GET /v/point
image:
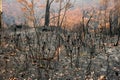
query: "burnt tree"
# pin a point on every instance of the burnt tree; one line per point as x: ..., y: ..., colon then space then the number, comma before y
x: 47, y: 12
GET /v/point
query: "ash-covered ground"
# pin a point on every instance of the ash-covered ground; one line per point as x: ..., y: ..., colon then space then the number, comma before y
x: 57, y: 54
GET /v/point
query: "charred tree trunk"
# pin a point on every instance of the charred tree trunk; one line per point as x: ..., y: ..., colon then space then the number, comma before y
x: 47, y: 14
x: 0, y: 25
x: 118, y: 37
x: 110, y: 30
x: 110, y: 21
x: 0, y: 19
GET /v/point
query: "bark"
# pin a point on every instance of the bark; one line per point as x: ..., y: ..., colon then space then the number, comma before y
x: 47, y: 14
x: 0, y: 19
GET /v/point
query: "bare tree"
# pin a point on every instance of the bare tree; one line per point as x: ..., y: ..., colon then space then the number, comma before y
x: 47, y: 12
x: 63, y: 6
x: 117, y: 12
x: 0, y: 19
x: 0, y: 25
x: 67, y: 6
x: 28, y: 8
x: 60, y: 4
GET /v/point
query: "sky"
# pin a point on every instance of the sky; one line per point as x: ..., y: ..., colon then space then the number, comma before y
x: 10, y: 5
x: 12, y: 8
